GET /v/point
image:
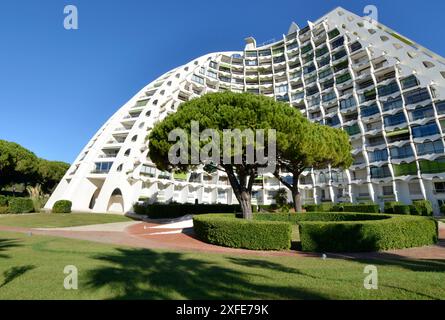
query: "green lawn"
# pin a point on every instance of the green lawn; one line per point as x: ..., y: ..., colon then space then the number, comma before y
x: 52, y: 220
x: 31, y: 267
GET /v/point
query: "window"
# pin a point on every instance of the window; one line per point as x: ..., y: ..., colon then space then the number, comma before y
x: 430, y: 147
x: 414, y: 188
x: 395, y: 119
x: 347, y: 103
x: 402, y: 152
x: 388, y: 190
x: 391, y: 104
x: 212, y: 74
x: 439, y: 187
x: 425, y: 130
x: 352, y: 130
x: 356, y: 46
x: 380, y: 172
x: 134, y: 138
x: 148, y: 171
x: 389, y: 89
x: 309, y: 69
x: 378, y: 155
x: 251, y: 62
x: 410, y: 82
x: 369, y: 110
x: 337, y: 43
x: 325, y: 61
x: 343, y: 78
x: 119, y: 169
x: 440, y: 107
x: 329, y: 96
x: 333, y: 121
x: 102, y: 167
x: 325, y: 73
x: 416, y: 96
x: 281, y: 89
x: 127, y: 153
x: 198, y: 79
x: 421, y: 113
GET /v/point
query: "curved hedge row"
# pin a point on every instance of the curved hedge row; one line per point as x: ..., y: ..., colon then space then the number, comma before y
x: 228, y: 231
x: 319, y: 232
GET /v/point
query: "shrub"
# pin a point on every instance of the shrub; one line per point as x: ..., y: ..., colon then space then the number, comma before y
x: 442, y: 209
x: 424, y: 207
x: 414, y: 211
x: 402, y: 209
x: 393, y: 232
x: 322, y: 207
x: 20, y: 205
x: 389, y: 206
x: 228, y: 231
x: 3, y: 201
x: 361, y: 208
x: 3, y: 210
x: 62, y: 206
x: 281, y: 198
x: 174, y: 210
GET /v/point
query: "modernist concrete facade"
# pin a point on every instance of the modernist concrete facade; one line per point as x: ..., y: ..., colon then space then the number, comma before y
x: 386, y: 91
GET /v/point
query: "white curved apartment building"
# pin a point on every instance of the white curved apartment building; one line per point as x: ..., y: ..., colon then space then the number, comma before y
x: 386, y: 91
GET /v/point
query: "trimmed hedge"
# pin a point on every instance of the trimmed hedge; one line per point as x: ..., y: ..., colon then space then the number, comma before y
x: 319, y: 231
x: 424, y: 207
x: 389, y: 206
x: 343, y: 207
x: 402, y: 209
x: 62, y: 206
x: 228, y: 231
x: 394, y: 232
x: 174, y: 210
x: 20, y: 205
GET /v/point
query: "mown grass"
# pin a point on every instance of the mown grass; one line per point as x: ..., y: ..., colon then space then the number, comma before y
x: 58, y: 220
x: 31, y: 267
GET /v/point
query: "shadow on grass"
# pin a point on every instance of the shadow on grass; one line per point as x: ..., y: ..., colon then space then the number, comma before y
x: 145, y: 274
x: 6, y: 244
x: 13, y: 273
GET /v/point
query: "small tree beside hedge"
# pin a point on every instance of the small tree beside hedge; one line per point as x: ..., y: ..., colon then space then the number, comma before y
x: 62, y: 206
x: 20, y: 205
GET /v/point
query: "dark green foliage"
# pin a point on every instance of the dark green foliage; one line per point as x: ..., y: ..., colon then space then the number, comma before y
x: 343, y: 207
x: 174, y: 210
x: 281, y: 198
x: 389, y: 206
x: 414, y: 210
x: 62, y: 206
x: 3, y: 201
x: 396, y: 232
x: 21, y: 166
x: 226, y: 230
x: 442, y: 209
x: 322, y: 207
x: 20, y: 205
x: 365, y: 208
x: 424, y: 207
x: 333, y: 232
x: 264, y: 208
x: 402, y: 209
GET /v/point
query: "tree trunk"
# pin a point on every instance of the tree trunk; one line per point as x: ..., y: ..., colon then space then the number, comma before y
x: 296, y: 198
x: 246, y: 205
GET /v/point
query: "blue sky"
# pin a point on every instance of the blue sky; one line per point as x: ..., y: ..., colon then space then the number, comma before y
x: 57, y: 87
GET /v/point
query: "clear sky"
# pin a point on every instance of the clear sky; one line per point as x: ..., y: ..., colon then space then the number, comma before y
x: 57, y: 87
